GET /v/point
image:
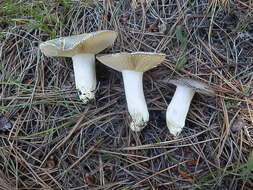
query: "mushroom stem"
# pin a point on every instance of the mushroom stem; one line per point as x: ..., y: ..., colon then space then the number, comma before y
x: 136, y: 103
x: 85, y: 75
x: 178, y: 109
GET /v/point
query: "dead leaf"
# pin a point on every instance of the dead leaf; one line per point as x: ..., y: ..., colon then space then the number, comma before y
x: 185, y: 175
x: 144, y: 182
x: 89, y: 179
x: 108, y: 168
x: 237, y: 125
x: 51, y: 162
x: 191, y: 163
x: 153, y: 27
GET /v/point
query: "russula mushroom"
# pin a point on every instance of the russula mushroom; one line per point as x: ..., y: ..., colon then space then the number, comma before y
x: 82, y: 49
x: 132, y: 66
x: 181, y: 100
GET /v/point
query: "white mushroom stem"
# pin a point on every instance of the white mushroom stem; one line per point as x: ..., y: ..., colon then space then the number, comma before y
x: 178, y: 109
x: 85, y: 75
x: 136, y: 103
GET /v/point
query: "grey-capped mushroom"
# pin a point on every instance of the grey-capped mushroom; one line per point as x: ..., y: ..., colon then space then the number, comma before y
x: 82, y: 49
x: 179, y: 106
x: 132, y: 66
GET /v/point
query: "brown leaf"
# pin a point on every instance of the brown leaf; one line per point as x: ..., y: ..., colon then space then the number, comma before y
x: 51, y: 162
x: 108, y: 168
x: 185, y: 175
x: 89, y: 179
x: 153, y: 27
x: 144, y: 182
x: 191, y: 163
x: 169, y: 21
x: 29, y: 81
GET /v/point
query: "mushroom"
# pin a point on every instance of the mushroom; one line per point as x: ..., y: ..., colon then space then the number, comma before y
x: 132, y: 66
x: 181, y: 100
x: 82, y: 49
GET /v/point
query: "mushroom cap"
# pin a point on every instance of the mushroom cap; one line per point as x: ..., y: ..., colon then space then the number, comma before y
x: 137, y: 61
x: 194, y: 84
x: 88, y: 43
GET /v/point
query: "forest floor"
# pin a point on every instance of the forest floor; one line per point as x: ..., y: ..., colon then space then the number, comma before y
x: 50, y: 140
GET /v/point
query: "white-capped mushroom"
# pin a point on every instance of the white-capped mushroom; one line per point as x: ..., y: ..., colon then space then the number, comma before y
x: 82, y: 49
x: 181, y: 100
x: 132, y: 66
